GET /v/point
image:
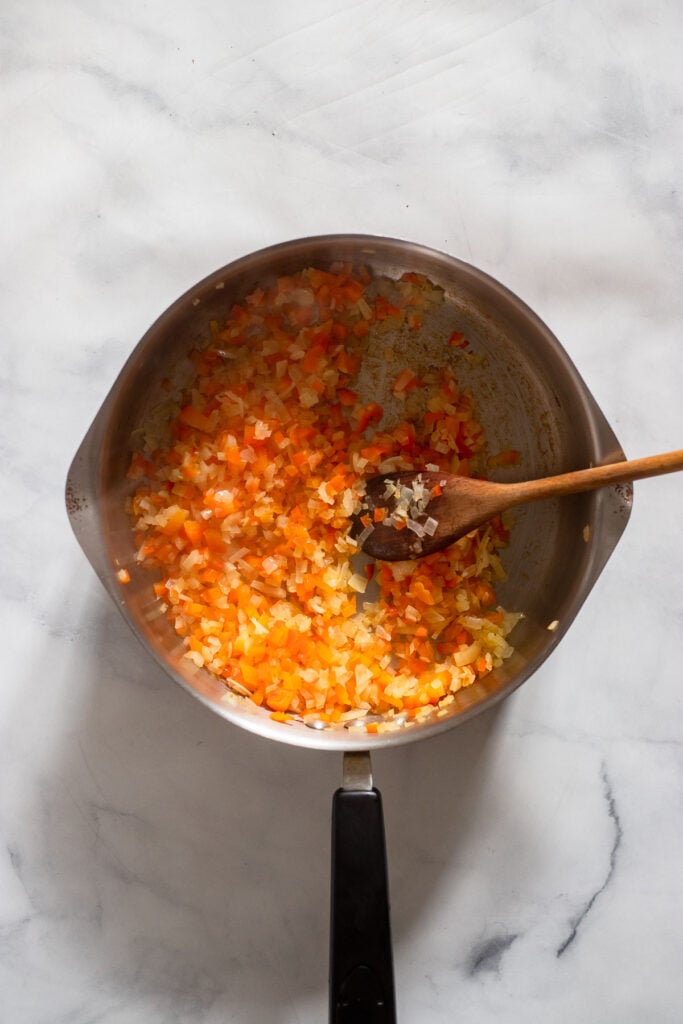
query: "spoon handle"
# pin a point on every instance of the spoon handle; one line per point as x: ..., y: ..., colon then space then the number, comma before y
x: 598, y: 476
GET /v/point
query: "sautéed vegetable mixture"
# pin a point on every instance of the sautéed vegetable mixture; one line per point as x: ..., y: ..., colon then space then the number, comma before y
x: 243, y: 511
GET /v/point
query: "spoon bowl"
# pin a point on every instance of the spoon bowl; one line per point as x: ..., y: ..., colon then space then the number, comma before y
x: 415, y: 513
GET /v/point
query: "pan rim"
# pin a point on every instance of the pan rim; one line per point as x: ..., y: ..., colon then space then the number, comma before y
x: 82, y: 494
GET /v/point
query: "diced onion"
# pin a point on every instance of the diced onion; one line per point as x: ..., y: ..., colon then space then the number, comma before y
x: 358, y: 583
x: 364, y: 534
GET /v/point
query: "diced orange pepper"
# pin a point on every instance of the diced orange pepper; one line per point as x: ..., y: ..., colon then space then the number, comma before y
x: 214, y: 540
x: 346, y: 396
x: 348, y: 362
x: 371, y: 413
x: 340, y: 331
x: 314, y: 359
x: 193, y: 531
x: 174, y: 521
x: 510, y: 457
x: 193, y: 417
x: 497, y: 618
x: 233, y: 458
x: 485, y: 594
x: 384, y: 309
x: 405, y: 381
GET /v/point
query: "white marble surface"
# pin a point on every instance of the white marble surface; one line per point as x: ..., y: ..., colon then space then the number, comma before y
x: 158, y: 865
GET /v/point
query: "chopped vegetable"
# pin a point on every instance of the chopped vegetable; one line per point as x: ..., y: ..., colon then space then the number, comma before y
x: 244, y: 511
x: 509, y: 457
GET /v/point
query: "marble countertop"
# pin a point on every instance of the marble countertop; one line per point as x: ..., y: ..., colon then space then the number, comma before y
x: 158, y: 865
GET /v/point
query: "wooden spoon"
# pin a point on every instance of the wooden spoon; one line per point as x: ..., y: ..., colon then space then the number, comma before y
x: 452, y: 506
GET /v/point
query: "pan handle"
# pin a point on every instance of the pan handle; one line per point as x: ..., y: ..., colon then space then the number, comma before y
x: 361, y: 963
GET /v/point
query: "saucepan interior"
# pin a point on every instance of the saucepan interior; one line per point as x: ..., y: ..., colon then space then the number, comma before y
x: 529, y: 397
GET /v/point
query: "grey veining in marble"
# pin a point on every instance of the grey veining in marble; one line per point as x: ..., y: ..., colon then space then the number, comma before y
x: 157, y: 865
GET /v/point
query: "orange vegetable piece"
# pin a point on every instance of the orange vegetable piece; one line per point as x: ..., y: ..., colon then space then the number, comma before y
x: 193, y: 417
x: 371, y: 413
x: 346, y: 396
x: 174, y: 521
x: 405, y: 381
x: 193, y: 531
x: 348, y: 362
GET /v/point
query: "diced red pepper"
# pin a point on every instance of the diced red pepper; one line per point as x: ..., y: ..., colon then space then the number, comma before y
x: 346, y: 396
x: 371, y: 413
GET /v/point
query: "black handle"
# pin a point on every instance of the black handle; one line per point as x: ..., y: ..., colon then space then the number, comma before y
x: 361, y: 964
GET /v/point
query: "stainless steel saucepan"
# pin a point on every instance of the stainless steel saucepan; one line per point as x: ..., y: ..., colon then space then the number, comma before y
x: 529, y: 396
